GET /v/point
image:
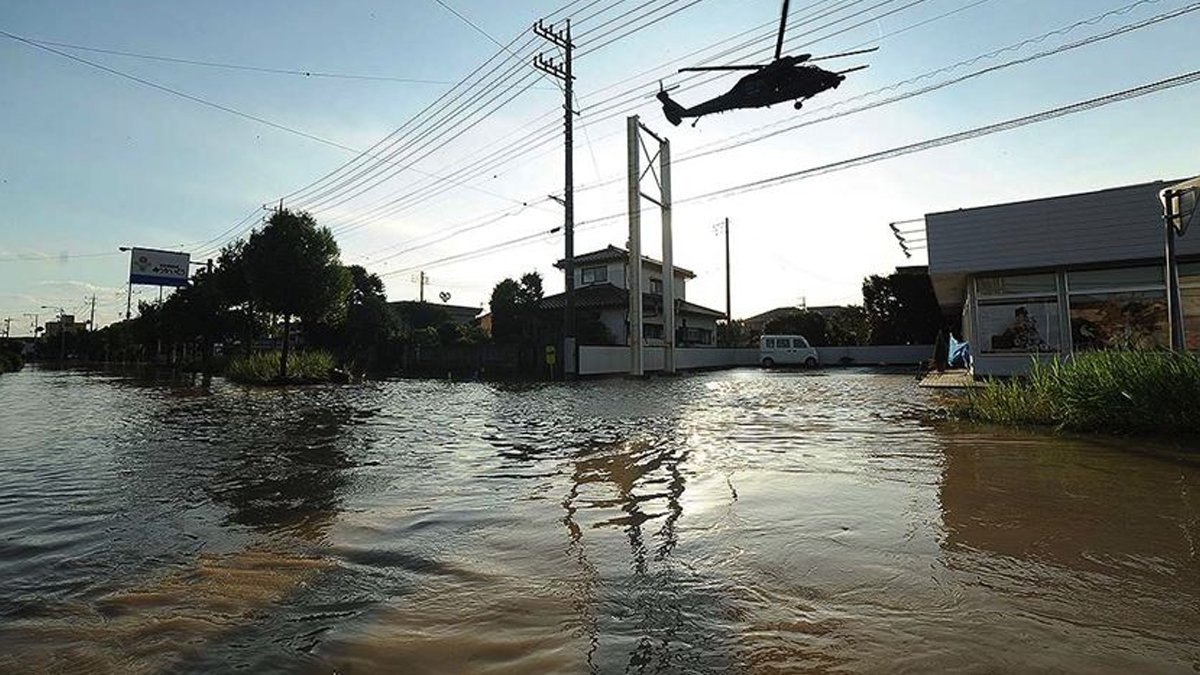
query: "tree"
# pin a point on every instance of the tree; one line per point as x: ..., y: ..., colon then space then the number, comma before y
x: 848, y: 327
x: 514, y: 307
x: 292, y: 269
x: 901, y: 309
x: 809, y: 324
x: 369, y: 321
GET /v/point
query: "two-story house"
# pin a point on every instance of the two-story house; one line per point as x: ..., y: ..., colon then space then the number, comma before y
x: 602, y: 280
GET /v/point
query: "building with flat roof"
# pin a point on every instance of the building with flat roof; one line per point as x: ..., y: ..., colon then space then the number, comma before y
x: 1044, y: 278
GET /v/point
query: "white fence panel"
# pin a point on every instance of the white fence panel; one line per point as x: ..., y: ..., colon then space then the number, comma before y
x: 594, y: 360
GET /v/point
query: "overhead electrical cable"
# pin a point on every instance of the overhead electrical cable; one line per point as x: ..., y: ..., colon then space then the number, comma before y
x: 549, y: 134
x: 774, y: 181
x: 301, y: 72
x: 1124, y: 95
x: 1122, y: 30
x: 432, y: 106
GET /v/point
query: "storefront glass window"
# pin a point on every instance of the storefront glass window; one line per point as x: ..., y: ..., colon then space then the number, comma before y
x: 1189, y: 292
x: 1130, y: 278
x: 1019, y: 326
x: 1024, y: 284
x: 1118, y: 309
x: 1018, y: 313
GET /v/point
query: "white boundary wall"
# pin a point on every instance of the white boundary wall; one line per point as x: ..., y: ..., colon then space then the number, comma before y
x: 595, y: 360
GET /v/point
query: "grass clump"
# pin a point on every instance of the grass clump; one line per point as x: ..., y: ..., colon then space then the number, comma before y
x: 10, y: 361
x: 1122, y: 392
x: 263, y: 368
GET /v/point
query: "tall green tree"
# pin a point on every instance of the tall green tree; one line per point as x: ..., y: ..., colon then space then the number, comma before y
x: 809, y: 324
x: 848, y: 327
x: 514, y: 306
x: 901, y: 309
x: 369, y: 322
x: 292, y: 268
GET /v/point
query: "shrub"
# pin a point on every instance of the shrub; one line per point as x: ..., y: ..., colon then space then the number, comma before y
x: 10, y: 361
x: 263, y: 368
x: 1111, y: 391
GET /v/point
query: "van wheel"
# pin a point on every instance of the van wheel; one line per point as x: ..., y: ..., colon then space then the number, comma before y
x: 810, y: 362
x: 768, y: 362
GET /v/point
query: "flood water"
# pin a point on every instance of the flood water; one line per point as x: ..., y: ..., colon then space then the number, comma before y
x: 729, y: 522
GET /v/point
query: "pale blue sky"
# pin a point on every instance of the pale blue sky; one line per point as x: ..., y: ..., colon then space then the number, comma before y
x: 92, y: 161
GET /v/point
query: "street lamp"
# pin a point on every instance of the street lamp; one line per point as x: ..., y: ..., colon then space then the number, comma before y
x: 62, y: 333
x: 1179, y: 211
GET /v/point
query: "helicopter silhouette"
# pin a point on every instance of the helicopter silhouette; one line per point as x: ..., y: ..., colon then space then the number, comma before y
x: 786, y: 78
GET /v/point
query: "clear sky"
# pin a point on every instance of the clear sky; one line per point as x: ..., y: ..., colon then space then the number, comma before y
x: 92, y: 161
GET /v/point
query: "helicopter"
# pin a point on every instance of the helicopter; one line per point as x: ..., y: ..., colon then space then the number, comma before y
x: 786, y: 78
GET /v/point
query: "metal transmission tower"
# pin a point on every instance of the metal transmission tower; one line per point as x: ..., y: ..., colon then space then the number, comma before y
x: 562, y: 71
x: 662, y: 176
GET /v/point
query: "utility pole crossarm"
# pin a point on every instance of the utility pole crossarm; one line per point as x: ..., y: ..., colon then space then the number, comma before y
x: 562, y: 71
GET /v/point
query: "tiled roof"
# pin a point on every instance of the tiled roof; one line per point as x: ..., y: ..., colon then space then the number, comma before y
x: 608, y: 295
x: 612, y: 253
x: 595, y: 295
x: 686, y: 307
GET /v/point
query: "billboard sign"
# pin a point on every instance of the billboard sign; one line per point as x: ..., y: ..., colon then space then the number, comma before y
x: 158, y: 268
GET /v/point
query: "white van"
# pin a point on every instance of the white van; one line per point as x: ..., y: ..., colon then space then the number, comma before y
x: 786, y: 350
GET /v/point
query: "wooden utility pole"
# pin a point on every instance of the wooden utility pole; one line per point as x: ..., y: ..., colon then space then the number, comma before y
x: 422, y: 278
x: 562, y: 39
x: 728, y: 275
x: 92, y: 317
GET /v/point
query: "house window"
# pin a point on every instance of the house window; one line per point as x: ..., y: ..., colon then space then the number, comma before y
x: 1018, y: 313
x: 652, y: 331
x: 656, y: 286
x: 1118, y: 308
x: 594, y: 275
x: 695, y: 336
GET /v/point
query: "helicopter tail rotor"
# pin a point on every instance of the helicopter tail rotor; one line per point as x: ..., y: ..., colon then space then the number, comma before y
x: 672, y: 110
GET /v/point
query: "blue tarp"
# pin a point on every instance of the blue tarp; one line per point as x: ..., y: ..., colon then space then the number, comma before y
x: 960, y: 354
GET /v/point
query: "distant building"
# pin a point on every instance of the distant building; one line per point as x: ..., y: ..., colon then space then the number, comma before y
x: 758, y: 322
x: 415, y: 312
x: 68, y: 323
x: 1048, y: 277
x: 602, y: 295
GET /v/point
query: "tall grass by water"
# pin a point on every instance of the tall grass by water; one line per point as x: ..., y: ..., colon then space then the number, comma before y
x: 1122, y: 392
x: 263, y: 368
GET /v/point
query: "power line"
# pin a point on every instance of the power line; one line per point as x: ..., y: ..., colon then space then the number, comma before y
x: 773, y: 181
x: 1136, y: 92
x: 546, y: 136
x: 59, y: 257
x: 237, y: 66
x: 1121, y: 30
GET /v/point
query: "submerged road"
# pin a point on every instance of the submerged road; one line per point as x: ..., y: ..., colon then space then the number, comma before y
x: 729, y: 522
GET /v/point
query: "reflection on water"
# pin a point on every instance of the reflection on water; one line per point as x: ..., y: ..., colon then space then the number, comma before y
x: 743, y: 521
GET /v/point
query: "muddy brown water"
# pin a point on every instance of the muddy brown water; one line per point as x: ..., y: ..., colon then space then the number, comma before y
x: 729, y: 522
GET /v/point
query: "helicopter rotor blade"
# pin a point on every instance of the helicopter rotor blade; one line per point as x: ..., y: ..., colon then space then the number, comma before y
x: 852, y: 70
x: 782, y: 28
x: 840, y: 55
x: 706, y: 68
